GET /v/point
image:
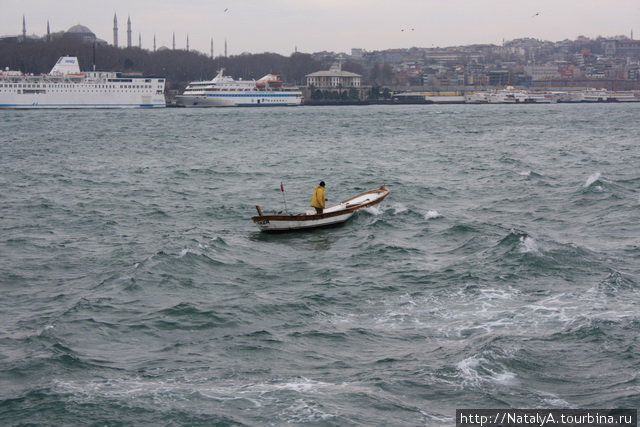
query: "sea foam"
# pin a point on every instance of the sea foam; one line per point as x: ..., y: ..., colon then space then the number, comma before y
x: 475, y: 371
x: 431, y: 214
x: 373, y: 210
x: 528, y: 245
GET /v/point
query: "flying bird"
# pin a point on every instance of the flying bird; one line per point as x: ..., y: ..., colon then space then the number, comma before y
x: 536, y: 14
x: 226, y: 9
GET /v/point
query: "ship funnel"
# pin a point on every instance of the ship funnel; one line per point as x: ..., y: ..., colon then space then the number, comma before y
x: 66, y: 65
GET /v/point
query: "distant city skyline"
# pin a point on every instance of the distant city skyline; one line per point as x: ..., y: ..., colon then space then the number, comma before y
x: 282, y: 26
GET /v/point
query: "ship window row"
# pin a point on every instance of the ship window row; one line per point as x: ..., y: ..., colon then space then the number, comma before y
x: 74, y: 90
x: 266, y: 96
x: 214, y: 89
x: 55, y: 86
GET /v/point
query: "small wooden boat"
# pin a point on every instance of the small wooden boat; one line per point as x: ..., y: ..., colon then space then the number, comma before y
x: 331, y: 215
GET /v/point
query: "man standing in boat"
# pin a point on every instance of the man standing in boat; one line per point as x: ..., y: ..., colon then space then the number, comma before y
x: 318, y: 199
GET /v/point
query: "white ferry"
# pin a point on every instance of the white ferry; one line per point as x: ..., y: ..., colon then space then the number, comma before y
x: 595, y: 95
x: 508, y: 95
x: 444, y: 97
x: 600, y: 95
x: 67, y: 87
x: 477, y: 98
x: 623, y: 96
x: 541, y: 97
x: 224, y: 91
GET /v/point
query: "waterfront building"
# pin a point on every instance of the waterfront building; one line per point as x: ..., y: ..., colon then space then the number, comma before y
x: 335, y: 84
x: 334, y: 78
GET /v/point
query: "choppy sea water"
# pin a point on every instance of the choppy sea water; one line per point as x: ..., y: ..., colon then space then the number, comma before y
x: 502, y: 271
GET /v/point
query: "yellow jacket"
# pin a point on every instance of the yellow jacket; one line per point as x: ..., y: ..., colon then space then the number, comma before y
x: 317, y: 201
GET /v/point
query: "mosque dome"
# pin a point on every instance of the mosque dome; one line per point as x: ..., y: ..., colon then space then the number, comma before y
x: 80, y: 29
x: 81, y: 32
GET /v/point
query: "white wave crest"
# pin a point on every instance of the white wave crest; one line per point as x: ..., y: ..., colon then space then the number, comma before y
x: 373, y: 210
x: 524, y: 173
x: 399, y: 208
x: 551, y: 399
x: 431, y: 214
x: 528, y: 245
x: 468, y: 367
x: 593, y: 178
x: 300, y: 385
x: 475, y: 372
x: 189, y: 251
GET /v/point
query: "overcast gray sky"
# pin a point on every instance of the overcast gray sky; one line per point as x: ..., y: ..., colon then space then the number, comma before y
x: 335, y: 25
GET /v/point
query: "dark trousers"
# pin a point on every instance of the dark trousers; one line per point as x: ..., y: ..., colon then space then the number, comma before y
x: 319, y: 211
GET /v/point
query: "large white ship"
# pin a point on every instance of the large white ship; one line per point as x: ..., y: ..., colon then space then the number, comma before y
x: 68, y: 87
x: 224, y: 91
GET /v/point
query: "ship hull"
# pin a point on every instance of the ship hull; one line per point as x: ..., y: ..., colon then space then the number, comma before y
x: 250, y: 99
x: 89, y: 100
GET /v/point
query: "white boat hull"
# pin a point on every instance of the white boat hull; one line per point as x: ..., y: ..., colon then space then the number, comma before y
x: 623, y: 97
x: 477, y: 98
x: 247, y: 99
x: 445, y: 99
x: 293, y: 225
x: 81, y: 100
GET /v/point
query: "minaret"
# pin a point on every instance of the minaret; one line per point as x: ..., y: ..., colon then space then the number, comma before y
x: 115, y: 30
x: 48, y: 32
x: 211, y: 47
x: 154, y: 42
x: 24, y: 29
x: 140, y: 40
x: 225, y: 48
x: 129, y: 32
x: 187, y: 42
x: 174, y: 41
